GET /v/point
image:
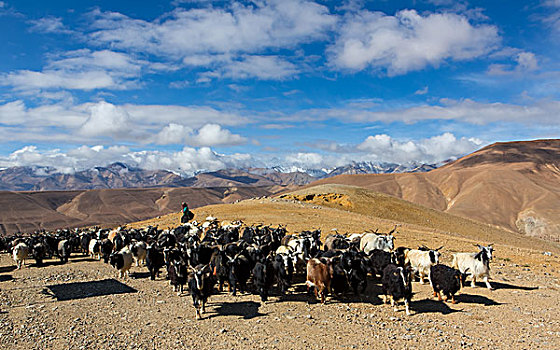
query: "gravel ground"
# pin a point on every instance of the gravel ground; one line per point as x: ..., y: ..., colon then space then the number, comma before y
x: 83, y: 305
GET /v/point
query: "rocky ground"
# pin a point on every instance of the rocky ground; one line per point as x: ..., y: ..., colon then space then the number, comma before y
x: 83, y: 305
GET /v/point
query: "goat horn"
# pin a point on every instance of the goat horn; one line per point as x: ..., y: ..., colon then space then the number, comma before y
x: 439, y: 248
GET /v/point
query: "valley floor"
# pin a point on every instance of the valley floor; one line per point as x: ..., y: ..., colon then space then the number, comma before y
x: 82, y: 305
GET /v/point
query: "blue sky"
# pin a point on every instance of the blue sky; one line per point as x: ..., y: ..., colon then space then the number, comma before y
x: 191, y: 85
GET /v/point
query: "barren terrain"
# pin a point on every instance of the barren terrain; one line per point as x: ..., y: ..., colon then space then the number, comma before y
x: 513, y: 185
x: 30, y: 211
x: 83, y: 305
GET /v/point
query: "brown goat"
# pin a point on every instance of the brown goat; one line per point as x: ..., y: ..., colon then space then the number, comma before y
x: 319, y: 275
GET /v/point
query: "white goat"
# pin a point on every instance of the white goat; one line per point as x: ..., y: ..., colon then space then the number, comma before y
x: 371, y: 241
x: 420, y: 261
x: 475, y: 264
x: 95, y: 248
x: 20, y: 253
x: 139, y: 250
x: 122, y: 261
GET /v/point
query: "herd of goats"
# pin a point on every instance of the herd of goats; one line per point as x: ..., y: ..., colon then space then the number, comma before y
x: 211, y: 253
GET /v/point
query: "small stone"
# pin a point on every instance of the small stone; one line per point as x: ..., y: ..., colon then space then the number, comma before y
x: 223, y: 330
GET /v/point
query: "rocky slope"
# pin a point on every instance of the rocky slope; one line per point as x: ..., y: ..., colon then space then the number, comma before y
x: 29, y: 211
x: 513, y: 185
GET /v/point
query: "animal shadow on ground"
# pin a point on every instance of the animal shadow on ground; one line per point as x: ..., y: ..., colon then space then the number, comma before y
x: 475, y: 299
x: 502, y: 285
x: 54, y: 261
x: 47, y: 263
x: 245, y: 309
x: 136, y: 275
x: 431, y: 306
x: 82, y: 258
x: 7, y: 268
x: 81, y: 290
x: 4, y: 278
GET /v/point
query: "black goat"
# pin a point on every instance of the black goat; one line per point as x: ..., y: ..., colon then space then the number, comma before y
x: 201, y: 285
x: 154, y: 260
x: 446, y: 280
x: 396, y: 284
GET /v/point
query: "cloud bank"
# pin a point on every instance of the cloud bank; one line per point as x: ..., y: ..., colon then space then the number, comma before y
x: 189, y: 160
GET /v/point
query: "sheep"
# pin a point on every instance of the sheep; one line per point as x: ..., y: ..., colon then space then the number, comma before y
x: 475, y: 264
x: 20, y: 253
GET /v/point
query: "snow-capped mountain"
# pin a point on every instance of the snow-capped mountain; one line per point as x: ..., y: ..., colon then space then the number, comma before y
x: 120, y: 175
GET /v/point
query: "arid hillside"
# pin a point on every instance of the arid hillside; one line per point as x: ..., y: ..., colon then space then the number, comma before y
x: 29, y: 211
x: 515, y: 186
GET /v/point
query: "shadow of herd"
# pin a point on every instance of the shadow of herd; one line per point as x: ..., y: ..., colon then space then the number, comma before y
x: 262, y: 259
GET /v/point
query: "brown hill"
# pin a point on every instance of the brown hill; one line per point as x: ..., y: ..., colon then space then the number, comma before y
x: 355, y: 209
x: 29, y: 211
x: 515, y: 186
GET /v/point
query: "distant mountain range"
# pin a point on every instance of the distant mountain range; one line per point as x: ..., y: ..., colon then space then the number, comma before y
x: 120, y: 175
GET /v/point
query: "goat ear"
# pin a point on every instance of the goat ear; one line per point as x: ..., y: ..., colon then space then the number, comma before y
x: 438, y: 248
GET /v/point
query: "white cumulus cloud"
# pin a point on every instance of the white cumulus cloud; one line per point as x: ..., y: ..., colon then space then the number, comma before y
x: 260, y: 67
x: 79, y: 70
x: 207, y: 135
x: 102, y: 120
x: 382, y: 147
x: 106, y: 119
x: 227, y: 39
x: 215, y: 135
x: 408, y: 41
x: 235, y: 28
